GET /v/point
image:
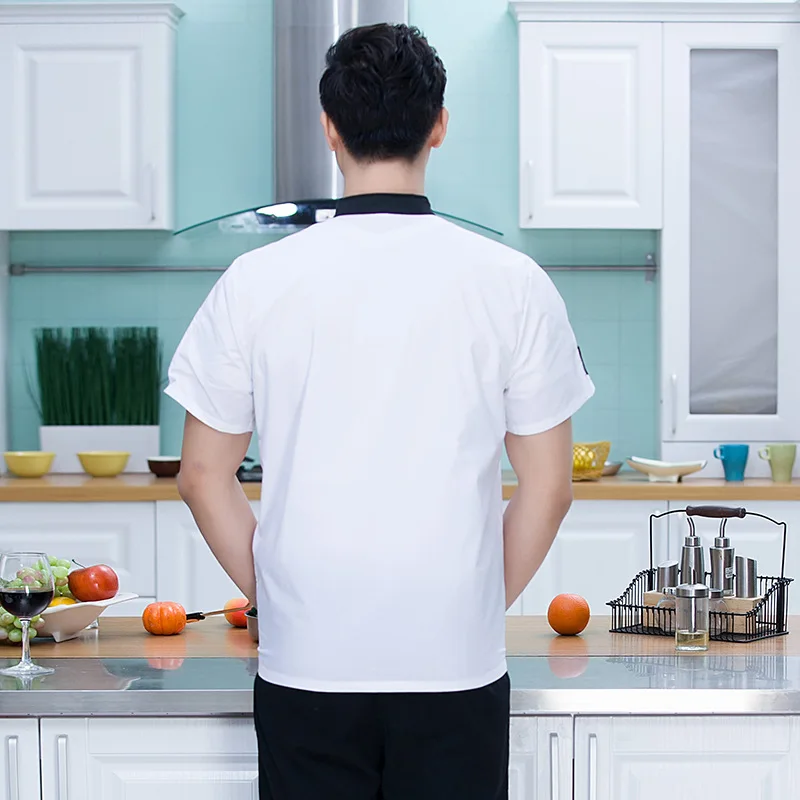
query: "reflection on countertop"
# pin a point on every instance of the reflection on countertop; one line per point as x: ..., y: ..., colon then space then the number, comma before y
x: 685, y: 684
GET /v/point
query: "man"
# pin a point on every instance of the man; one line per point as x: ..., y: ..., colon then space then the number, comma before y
x: 382, y: 357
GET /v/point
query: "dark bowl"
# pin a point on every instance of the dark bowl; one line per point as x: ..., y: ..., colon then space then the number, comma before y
x: 164, y: 466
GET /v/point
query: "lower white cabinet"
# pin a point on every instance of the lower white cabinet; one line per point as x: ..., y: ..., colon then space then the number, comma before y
x: 122, y: 535
x: 601, y: 546
x: 19, y: 759
x: 188, y: 573
x: 691, y: 758
x: 148, y: 759
x: 540, y: 762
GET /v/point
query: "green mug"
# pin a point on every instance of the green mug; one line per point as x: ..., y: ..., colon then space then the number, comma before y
x: 781, y: 460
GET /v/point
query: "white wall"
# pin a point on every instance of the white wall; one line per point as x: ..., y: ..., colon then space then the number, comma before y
x: 4, y: 334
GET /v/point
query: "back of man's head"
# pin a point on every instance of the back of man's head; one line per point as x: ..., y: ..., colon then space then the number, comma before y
x: 383, y: 90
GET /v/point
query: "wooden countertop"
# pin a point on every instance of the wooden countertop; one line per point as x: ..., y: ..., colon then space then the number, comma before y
x: 147, y: 488
x: 124, y: 637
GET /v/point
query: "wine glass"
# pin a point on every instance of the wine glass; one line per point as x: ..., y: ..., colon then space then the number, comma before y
x: 26, y: 589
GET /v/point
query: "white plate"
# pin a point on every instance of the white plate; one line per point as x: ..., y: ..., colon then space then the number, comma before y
x: 66, y: 622
x: 665, y: 471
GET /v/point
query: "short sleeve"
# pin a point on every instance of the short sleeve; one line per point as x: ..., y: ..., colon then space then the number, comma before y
x: 210, y: 374
x: 548, y: 382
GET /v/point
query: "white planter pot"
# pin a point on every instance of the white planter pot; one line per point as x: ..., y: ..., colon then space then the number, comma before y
x: 141, y: 441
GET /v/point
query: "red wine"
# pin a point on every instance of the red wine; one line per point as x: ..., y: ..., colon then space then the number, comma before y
x: 22, y: 603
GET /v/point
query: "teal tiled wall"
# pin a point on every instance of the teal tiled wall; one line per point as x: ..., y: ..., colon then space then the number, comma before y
x: 224, y: 164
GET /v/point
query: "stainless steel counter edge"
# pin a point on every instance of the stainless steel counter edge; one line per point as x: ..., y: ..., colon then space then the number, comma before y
x: 524, y: 702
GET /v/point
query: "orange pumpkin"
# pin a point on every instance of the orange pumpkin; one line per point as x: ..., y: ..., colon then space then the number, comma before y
x: 164, y: 619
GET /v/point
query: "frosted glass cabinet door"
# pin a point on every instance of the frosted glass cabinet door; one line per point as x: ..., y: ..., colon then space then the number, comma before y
x: 730, y: 245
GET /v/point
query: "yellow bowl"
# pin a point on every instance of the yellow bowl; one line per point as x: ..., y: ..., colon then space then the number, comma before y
x: 30, y: 464
x: 103, y: 463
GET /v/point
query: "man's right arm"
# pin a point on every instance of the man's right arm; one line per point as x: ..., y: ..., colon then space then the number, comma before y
x: 543, y: 465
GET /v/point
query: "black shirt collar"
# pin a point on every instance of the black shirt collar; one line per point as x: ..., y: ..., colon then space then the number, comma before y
x: 383, y: 204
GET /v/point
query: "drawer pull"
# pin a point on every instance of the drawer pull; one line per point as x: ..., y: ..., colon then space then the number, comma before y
x: 12, y: 760
x: 61, y: 766
x: 554, y: 789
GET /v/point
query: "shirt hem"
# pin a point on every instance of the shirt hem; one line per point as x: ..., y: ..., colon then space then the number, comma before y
x: 551, y: 422
x: 383, y: 687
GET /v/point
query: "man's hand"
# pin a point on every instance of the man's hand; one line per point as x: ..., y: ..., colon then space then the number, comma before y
x: 543, y: 464
x: 208, y: 484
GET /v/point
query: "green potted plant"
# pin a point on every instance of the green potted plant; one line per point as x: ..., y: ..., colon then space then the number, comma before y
x: 99, y: 389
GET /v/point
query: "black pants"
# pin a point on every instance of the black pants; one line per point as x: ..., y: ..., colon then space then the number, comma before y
x: 326, y: 746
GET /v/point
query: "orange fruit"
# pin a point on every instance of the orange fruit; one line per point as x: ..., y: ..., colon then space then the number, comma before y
x: 62, y: 601
x: 568, y: 614
x: 237, y: 619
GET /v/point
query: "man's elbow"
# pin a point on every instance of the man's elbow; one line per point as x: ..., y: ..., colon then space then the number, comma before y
x: 191, y: 483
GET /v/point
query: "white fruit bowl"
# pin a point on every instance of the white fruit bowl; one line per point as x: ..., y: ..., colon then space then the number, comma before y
x: 665, y: 471
x: 66, y: 622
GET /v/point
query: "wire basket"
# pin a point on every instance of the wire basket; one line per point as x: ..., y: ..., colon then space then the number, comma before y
x: 589, y: 460
x: 769, y: 617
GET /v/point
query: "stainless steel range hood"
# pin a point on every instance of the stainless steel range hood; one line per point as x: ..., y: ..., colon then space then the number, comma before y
x: 307, y: 178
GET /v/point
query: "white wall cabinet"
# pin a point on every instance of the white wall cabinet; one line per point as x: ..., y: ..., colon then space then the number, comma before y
x: 188, y: 573
x: 729, y: 248
x: 540, y: 762
x: 19, y: 759
x: 87, y: 102
x: 693, y: 758
x: 122, y: 535
x: 149, y: 759
x: 601, y: 546
x: 590, y: 125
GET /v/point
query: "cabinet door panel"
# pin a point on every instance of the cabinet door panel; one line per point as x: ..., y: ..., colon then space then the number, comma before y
x: 601, y: 547
x: 540, y: 763
x: 149, y: 759
x: 729, y: 252
x: 19, y: 759
x: 688, y: 757
x: 89, y: 126
x: 590, y: 125
x: 188, y: 573
x: 121, y: 535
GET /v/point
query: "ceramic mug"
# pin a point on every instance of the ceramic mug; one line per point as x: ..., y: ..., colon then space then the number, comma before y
x: 734, y: 460
x: 781, y: 460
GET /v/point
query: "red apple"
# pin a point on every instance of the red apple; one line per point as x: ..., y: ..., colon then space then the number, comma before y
x: 237, y: 618
x: 89, y: 584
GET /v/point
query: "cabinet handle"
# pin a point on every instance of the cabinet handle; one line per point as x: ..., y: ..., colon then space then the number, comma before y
x: 592, y: 766
x: 554, y: 788
x: 151, y: 190
x: 12, y: 759
x: 529, y: 188
x: 673, y: 385
x: 61, y: 766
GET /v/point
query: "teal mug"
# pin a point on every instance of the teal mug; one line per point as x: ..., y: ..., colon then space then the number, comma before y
x: 734, y: 460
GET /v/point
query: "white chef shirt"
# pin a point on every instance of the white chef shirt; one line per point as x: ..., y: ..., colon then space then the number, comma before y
x: 381, y: 356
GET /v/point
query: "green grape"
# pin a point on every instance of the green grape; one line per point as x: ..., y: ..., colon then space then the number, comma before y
x: 61, y: 582
x: 25, y: 572
x: 53, y: 560
x: 63, y: 563
x: 6, y: 619
x: 35, y: 619
x: 32, y: 633
x: 16, y: 584
x: 59, y: 572
x: 17, y: 622
x: 41, y: 623
x: 15, y: 636
x: 3, y: 634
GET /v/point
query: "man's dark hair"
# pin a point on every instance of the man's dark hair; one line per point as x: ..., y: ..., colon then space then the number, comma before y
x: 383, y: 89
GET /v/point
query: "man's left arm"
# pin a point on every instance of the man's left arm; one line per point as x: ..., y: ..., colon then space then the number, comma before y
x: 208, y: 485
